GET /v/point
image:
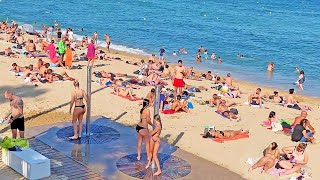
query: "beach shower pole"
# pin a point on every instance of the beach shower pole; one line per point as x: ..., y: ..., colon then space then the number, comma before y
x: 156, y: 111
x: 88, y: 118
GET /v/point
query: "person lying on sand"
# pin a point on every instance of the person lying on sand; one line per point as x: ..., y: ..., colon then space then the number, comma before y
x: 297, y: 159
x: 39, y: 64
x: 8, y: 53
x: 179, y: 105
x: 52, y: 77
x: 201, y: 88
x: 124, y: 91
x: 255, y: 98
x: 105, y: 74
x: 290, y: 102
x: 228, y: 81
x: 15, y: 68
x: 152, y: 80
x: 223, y: 109
x: 190, y: 73
x: 28, y: 71
x: 43, y: 69
x: 271, y: 155
x: 208, y: 76
x: 224, y: 134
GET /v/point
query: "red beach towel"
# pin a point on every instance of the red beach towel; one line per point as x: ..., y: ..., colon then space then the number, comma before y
x: 169, y: 111
x: 240, y: 136
x: 128, y: 97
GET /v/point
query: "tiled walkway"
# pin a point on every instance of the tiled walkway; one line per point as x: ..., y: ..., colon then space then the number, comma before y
x: 62, y: 167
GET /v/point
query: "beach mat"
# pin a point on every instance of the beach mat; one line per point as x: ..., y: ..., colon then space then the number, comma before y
x: 128, y: 97
x: 240, y: 136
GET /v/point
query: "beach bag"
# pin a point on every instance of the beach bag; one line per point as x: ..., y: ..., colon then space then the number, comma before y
x: 276, y: 127
x: 10, y: 142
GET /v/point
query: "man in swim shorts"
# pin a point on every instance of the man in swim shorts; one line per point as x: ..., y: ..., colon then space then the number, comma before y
x: 255, y: 99
x: 15, y: 115
x: 108, y: 42
x: 178, y: 83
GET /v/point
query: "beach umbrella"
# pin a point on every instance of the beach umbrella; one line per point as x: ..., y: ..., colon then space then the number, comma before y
x: 28, y: 28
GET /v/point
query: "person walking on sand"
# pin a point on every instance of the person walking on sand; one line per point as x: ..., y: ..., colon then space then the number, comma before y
x: 178, y: 83
x: 301, y: 80
x: 91, y: 53
x: 15, y: 116
x: 77, y: 97
x: 155, y: 144
x: 108, y: 42
x: 95, y: 38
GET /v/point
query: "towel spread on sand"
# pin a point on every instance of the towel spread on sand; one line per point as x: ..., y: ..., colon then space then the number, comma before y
x: 170, y: 111
x: 240, y: 136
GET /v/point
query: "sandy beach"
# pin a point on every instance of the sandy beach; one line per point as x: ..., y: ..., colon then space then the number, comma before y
x: 49, y: 103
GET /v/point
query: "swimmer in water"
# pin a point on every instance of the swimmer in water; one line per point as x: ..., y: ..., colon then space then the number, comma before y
x: 183, y: 51
x: 174, y: 53
x: 219, y: 60
x: 240, y: 56
x: 270, y: 67
x: 297, y: 69
x: 213, y: 56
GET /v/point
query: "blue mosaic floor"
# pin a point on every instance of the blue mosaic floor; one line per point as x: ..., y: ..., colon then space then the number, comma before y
x: 172, y: 167
x: 99, y: 135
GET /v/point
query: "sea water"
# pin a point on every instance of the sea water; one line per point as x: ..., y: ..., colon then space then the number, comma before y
x: 285, y: 32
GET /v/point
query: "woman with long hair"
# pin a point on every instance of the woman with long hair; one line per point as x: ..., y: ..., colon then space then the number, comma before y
x: 271, y: 156
x: 142, y: 128
x: 77, y: 97
x: 155, y: 143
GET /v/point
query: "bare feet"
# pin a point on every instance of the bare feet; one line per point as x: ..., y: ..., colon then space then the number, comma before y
x: 138, y: 158
x: 147, y: 166
x: 157, y: 173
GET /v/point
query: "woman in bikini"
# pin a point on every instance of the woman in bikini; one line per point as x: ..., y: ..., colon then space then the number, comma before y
x: 297, y: 156
x: 77, y: 96
x: 224, y: 134
x: 155, y: 143
x: 142, y: 129
x: 271, y: 156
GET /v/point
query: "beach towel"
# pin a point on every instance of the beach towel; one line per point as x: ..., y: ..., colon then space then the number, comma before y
x: 221, y: 114
x: 128, y: 97
x: 170, y: 111
x: 240, y: 136
x: 91, y: 51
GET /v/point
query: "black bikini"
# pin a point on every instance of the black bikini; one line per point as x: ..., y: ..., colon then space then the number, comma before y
x: 79, y: 98
x: 138, y: 128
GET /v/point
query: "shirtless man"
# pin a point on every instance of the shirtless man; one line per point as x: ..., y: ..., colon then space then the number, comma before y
x: 270, y: 67
x: 228, y: 81
x: 30, y: 46
x: 108, y: 42
x: 178, y: 83
x: 95, y: 38
x: 303, y: 116
x: 209, y: 76
x: 177, y: 105
x: 39, y: 64
x: 255, y: 99
x: 276, y: 98
x: 15, y: 115
x: 20, y: 41
x: 219, y: 60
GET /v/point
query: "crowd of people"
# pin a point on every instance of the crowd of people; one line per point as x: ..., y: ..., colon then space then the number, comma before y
x: 61, y: 48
